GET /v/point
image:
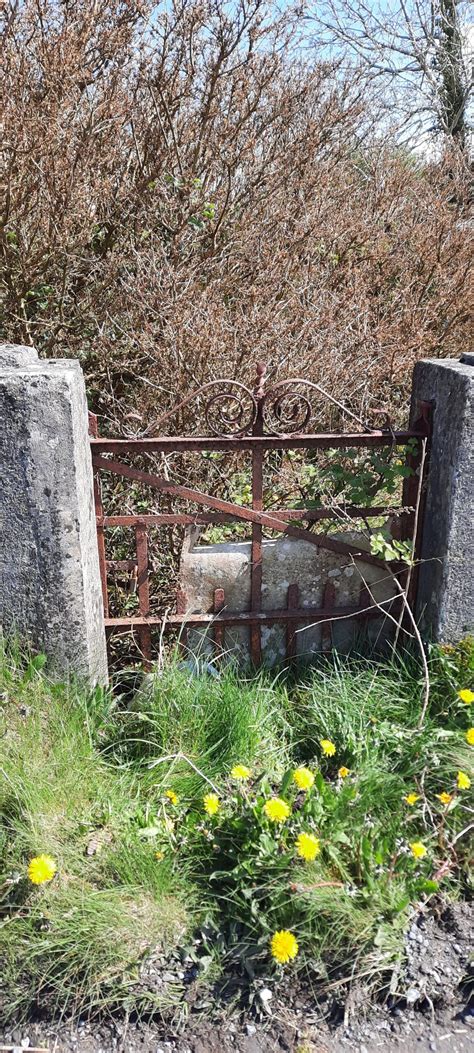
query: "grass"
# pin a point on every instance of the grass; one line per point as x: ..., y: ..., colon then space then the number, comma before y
x: 68, y: 943
x: 85, y: 776
x: 213, y: 720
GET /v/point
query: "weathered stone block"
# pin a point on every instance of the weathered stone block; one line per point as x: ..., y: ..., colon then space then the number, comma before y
x: 446, y: 583
x: 285, y: 561
x: 49, y: 571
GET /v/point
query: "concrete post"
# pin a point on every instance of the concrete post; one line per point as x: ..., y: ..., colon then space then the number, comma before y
x: 50, y: 588
x: 445, y: 603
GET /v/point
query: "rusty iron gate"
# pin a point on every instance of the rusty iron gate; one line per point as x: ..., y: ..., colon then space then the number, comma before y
x: 259, y: 420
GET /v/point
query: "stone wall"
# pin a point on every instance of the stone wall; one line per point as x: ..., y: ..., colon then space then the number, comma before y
x: 49, y: 574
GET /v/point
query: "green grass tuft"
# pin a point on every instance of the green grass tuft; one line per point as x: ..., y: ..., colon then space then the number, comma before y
x: 66, y: 945
x: 213, y: 721
x: 84, y: 779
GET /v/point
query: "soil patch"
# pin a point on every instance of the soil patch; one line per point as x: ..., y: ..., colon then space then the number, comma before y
x: 431, y: 1012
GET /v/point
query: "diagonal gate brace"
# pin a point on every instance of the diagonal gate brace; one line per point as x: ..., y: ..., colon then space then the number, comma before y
x: 250, y: 515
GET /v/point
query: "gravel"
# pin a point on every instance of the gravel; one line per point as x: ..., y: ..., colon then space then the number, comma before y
x: 431, y: 1011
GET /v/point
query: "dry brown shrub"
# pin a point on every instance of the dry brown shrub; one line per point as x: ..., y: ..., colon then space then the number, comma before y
x: 184, y: 195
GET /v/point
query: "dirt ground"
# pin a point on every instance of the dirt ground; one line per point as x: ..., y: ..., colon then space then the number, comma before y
x: 433, y: 1012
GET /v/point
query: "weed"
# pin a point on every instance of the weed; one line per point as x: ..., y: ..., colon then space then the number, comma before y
x: 311, y: 807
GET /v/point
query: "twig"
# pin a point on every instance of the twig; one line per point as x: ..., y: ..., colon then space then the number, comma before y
x: 319, y: 884
x: 461, y: 833
x: 182, y: 756
x: 426, y: 806
x: 346, y: 617
x: 377, y: 603
x: 416, y: 631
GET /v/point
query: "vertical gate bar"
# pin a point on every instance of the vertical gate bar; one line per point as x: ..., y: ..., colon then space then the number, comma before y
x: 99, y: 511
x: 414, y: 494
x: 291, y: 603
x: 329, y: 599
x: 219, y: 603
x: 257, y: 505
x: 144, y: 634
x: 181, y: 609
x: 256, y: 558
x: 99, y: 514
x: 365, y: 601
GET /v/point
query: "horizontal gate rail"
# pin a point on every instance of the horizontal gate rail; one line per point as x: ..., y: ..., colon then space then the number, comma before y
x: 295, y: 614
x: 183, y: 444
x: 221, y: 518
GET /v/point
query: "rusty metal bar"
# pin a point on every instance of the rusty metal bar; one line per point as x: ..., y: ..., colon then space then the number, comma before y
x: 415, y: 489
x: 240, y: 512
x: 219, y: 603
x: 329, y: 596
x: 141, y: 538
x: 293, y: 599
x: 413, y: 461
x: 191, y: 443
x: 121, y: 564
x: 300, y: 614
x: 286, y: 514
x: 257, y: 505
x: 181, y: 605
x: 99, y: 511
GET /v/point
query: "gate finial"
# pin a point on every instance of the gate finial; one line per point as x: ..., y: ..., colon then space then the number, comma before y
x: 259, y: 389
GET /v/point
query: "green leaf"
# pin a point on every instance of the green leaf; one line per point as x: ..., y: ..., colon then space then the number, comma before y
x: 401, y: 904
x: 285, y: 782
x: 34, y: 666
x: 39, y: 661
x: 319, y: 782
x: 426, y: 885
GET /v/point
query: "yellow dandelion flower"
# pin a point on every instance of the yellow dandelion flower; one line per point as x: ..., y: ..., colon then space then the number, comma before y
x: 444, y: 797
x: 172, y: 796
x: 344, y: 772
x: 41, y: 869
x: 412, y: 798
x: 303, y: 778
x: 327, y: 747
x: 463, y: 781
x: 159, y: 856
x: 307, y: 846
x: 284, y: 946
x: 470, y: 736
x: 211, y: 803
x: 466, y: 696
x: 418, y: 850
x: 276, y: 810
x: 239, y: 771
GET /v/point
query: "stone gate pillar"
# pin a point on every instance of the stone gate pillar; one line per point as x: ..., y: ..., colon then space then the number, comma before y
x: 50, y: 591
x: 445, y: 605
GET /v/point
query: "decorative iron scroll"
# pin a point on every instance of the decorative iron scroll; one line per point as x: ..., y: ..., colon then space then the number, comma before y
x: 230, y: 413
x: 285, y: 410
x: 233, y: 410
